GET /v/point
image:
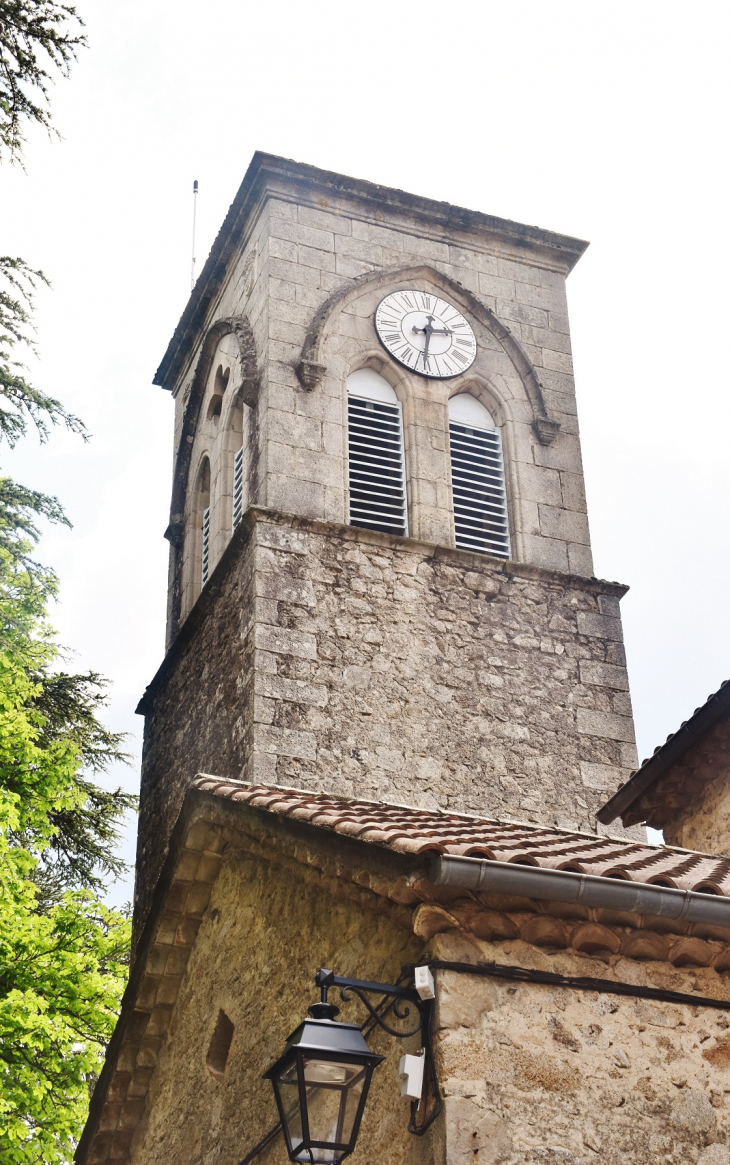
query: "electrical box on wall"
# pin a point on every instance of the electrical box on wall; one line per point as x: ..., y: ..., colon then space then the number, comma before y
x: 423, y: 982
x: 410, y: 1071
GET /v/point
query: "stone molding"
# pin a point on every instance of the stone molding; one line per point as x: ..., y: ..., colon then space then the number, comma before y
x: 240, y: 327
x: 311, y: 368
x: 268, y: 175
x: 354, y: 534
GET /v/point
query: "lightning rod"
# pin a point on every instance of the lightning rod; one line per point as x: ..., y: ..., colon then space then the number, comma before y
x: 195, y: 208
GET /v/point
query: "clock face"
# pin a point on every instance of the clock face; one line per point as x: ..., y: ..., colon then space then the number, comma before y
x: 425, y: 333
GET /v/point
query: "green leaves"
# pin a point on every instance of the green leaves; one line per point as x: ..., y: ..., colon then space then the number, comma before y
x: 18, y: 283
x: 62, y: 953
x: 61, y: 976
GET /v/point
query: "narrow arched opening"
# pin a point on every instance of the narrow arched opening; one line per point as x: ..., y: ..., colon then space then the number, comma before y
x: 202, y: 523
x: 376, y: 458
x: 219, y: 1048
x: 220, y: 384
x: 239, y: 471
x: 477, y: 478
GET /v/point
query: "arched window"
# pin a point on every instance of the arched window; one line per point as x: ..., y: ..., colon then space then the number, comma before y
x: 375, y: 450
x: 202, y: 521
x: 220, y: 384
x: 239, y: 488
x: 477, y: 476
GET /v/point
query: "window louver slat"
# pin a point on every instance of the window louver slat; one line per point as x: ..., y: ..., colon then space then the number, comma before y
x: 480, y: 506
x: 376, y: 464
x: 237, y: 487
x: 206, y: 545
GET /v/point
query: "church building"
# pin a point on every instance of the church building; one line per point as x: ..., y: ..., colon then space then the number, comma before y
x: 391, y: 745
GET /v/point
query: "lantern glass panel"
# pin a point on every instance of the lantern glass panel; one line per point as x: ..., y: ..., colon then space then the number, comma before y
x: 288, y: 1089
x: 334, y: 1090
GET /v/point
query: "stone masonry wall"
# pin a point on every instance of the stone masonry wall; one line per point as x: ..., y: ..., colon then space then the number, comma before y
x: 263, y: 937
x: 690, y: 801
x: 305, y: 242
x: 342, y: 660
x: 537, y: 1075
x: 530, y: 1074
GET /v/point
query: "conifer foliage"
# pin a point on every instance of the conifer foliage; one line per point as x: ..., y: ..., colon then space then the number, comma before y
x: 35, y: 36
x: 63, y: 954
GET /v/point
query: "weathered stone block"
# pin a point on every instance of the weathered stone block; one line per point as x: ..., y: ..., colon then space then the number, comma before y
x: 283, y: 641
x: 564, y: 524
x: 599, y: 626
x: 324, y: 220
x: 285, y: 742
x: 604, y: 724
x: 297, y: 232
x: 606, y: 675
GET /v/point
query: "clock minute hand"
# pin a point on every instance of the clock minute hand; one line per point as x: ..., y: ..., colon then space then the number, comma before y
x: 429, y: 330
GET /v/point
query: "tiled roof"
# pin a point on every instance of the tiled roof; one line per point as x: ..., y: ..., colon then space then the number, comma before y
x: 421, y: 831
x: 677, y: 770
x: 711, y: 699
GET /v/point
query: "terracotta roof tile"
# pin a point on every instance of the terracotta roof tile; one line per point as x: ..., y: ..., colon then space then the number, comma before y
x: 417, y: 831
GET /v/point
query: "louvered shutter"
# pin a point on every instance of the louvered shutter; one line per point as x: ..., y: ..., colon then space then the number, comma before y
x: 480, y: 503
x: 237, y: 487
x: 206, y: 546
x: 376, y: 463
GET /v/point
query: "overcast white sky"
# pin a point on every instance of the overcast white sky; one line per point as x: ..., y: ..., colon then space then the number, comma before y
x: 607, y: 122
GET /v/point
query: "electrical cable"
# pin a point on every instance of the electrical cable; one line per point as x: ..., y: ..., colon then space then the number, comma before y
x: 550, y: 978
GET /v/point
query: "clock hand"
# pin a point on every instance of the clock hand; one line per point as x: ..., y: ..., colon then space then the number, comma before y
x: 429, y: 331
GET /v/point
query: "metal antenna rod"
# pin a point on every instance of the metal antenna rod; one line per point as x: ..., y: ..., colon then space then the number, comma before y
x: 195, y: 208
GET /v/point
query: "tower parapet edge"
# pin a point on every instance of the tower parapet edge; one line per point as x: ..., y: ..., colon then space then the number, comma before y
x: 305, y: 651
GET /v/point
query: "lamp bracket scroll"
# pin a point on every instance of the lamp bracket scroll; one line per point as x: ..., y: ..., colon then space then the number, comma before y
x: 322, y: 1078
x: 395, y: 998
x: 362, y: 987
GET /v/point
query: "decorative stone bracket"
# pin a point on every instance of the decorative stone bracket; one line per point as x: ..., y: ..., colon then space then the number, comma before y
x: 545, y: 429
x: 309, y: 374
x: 175, y: 533
x: 310, y: 370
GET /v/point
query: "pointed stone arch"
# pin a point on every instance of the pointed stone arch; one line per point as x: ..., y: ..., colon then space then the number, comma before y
x: 311, y: 367
x: 249, y: 390
x: 183, y: 479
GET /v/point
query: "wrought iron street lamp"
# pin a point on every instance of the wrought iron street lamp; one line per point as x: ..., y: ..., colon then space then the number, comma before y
x: 322, y: 1078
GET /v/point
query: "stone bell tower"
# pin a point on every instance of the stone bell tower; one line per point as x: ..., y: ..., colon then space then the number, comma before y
x: 381, y: 581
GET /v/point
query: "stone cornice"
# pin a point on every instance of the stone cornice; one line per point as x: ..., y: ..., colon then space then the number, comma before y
x: 467, y: 559
x: 268, y: 175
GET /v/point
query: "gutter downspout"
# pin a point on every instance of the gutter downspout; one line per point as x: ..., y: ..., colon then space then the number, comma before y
x: 582, y: 889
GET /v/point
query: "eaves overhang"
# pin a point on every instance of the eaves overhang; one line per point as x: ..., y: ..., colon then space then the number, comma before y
x: 269, y: 174
x: 380, y: 858
x: 691, y: 731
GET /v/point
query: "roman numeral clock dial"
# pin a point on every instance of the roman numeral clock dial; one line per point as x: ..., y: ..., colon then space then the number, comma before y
x: 426, y: 334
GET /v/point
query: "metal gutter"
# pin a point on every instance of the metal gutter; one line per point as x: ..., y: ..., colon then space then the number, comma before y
x: 581, y: 889
x: 714, y: 708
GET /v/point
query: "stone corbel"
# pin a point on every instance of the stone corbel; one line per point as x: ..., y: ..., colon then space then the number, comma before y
x: 175, y: 533
x: 310, y: 374
x: 249, y: 392
x: 546, y: 430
